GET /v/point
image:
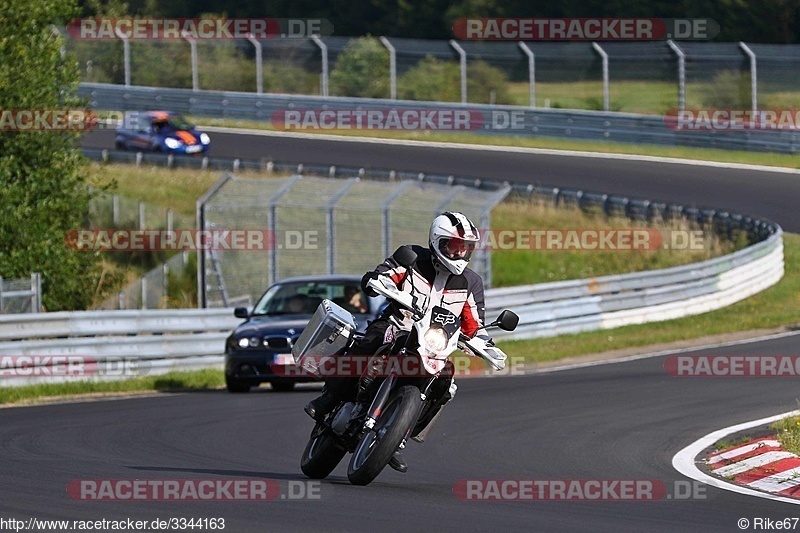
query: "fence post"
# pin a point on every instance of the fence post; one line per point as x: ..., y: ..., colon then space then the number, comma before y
x: 144, y: 292
x: 386, y: 218
x: 753, y: 76
x: 193, y: 47
x: 681, y: 74
x: 604, y: 57
x: 201, y: 225
x: 165, y: 275
x: 169, y: 220
x: 126, y: 55
x: 141, y: 215
x: 259, y: 65
x: 463, y: 60
x: 115, y: 209
x: 531, y: 72
x: 392, y: 68
x: 36, y: 288
x: 324, y: 50
x: 330, y: 223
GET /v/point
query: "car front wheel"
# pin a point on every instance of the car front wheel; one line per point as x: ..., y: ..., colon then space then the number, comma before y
x: 236, y: 386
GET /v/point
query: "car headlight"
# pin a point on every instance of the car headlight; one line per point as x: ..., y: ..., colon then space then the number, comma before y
x: 172, y: 143
x: 254, y: 341
x: 204, y: 138
x: 243, y: 343
x: 435, y: 340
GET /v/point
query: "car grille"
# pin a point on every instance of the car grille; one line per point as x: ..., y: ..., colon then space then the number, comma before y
x: 278, y: 342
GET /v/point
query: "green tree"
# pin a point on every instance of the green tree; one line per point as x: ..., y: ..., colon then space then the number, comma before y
x: 362, y: 70
x: 43, y: 191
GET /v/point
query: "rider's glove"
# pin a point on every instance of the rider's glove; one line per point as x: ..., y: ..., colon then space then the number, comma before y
x: 364, y: 280
x: 487, y: 339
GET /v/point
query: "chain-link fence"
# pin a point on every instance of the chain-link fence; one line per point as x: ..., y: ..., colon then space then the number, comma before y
x: 639, y: 77
x: 21, y: 295
x: 162, y: 287
x: 322, y: 226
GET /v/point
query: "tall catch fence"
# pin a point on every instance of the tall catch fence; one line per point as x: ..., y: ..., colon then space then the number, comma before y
x: 322, y: 226
x: 639, y: 77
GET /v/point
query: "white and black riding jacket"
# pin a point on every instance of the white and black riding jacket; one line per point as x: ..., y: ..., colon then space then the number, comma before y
x: 461, y: 294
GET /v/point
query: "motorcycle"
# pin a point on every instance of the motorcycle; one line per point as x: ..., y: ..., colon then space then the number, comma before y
x: 392, y: 405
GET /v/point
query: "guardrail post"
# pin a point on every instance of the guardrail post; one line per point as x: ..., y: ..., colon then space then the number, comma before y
x: 753, y: 76
x: 193, y: 47
x: 324, y: 51
x: 681, y: 74
x: 126, y: 55
x: 392, y: 68
x: 463, y: 60
x: 604, y: 57
x: 36, y: 287
x: 259, y: 65
x: 531, y: 72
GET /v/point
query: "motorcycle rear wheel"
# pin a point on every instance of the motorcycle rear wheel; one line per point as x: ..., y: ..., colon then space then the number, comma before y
x: 379, y: 444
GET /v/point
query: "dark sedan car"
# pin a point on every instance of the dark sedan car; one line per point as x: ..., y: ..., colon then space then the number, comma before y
x: 160, y: 131
x: 259, y: 349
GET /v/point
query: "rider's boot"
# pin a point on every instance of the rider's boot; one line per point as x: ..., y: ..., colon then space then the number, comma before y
x: 398, y: 462
x: 321, y: 406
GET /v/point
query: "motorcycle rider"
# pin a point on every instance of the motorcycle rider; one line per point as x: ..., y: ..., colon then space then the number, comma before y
x: 441, y: 277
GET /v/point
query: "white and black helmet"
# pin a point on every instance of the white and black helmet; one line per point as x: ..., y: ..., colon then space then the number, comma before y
x: 453, y: 238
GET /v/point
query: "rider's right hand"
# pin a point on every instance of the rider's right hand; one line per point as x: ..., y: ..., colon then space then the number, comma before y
x: 364, y: 280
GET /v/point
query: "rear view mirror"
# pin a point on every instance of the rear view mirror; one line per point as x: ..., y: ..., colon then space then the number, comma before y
x: 240, y: 312
x: 507, y: 321
x: 405, y: 256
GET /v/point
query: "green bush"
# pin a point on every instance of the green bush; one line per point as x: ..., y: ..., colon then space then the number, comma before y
x: 362, y: 70
x: 440, y: 81
x: 283, y: 77
x: 729, y: 89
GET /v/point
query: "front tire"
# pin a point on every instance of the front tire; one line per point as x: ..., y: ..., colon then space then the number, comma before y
x: 379, y: 444
x: 236, y: 386
x: 282, y: 385
x: 321, y: 455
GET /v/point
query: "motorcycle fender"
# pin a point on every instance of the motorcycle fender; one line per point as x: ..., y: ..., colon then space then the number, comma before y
x: 380, y: 398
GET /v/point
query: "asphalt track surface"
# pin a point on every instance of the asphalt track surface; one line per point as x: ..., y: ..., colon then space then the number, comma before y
x: 615, y: 421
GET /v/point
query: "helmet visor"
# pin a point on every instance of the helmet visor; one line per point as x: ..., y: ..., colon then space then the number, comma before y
x: 456, y: 249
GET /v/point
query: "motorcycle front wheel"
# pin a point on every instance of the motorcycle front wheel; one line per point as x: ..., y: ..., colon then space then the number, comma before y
x: 322, y: 454
x: 379, y: 444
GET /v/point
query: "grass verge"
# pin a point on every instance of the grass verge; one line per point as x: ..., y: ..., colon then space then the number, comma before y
x: 774, y: 307
x: 788, y: 432
x: 172, y: 381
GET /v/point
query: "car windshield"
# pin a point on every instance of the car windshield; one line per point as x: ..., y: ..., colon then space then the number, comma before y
x: 173, y: 123
x: 304, y: 297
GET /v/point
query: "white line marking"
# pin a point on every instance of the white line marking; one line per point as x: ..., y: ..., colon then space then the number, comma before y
x: 502, y: 149
x: 778, y: 482
x: 665, y: 352
x: 747, y: 448
x: 684, y: 460
x: 753, y: 462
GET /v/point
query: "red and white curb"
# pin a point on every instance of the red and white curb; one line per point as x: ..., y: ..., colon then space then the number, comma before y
x: 761, y: 464
x: 760, y: 468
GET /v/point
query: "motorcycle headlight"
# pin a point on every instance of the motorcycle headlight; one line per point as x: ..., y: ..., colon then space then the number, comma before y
x: 172, y: 143
x: 204, y: 138
x: 435, y: 340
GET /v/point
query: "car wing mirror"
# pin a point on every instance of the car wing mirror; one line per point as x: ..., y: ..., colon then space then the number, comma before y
x: 240, y: 312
